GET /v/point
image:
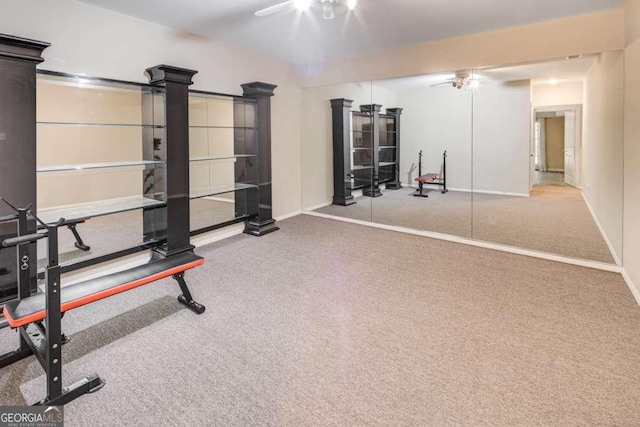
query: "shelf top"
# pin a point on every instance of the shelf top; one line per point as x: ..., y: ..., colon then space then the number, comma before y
x: 133, y: 125
x: 96, y: 209
x: 58, y: 168
x: 207, y: 192
x: 387, y: 163
x: 233, y: 156
x: 357, y: 168
x: 387, y: 147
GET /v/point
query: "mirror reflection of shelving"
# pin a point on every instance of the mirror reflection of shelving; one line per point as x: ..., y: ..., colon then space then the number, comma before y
x: 387, y: 148
x: 100, y: 152
x: 223, y: 158
x: 361, y: 150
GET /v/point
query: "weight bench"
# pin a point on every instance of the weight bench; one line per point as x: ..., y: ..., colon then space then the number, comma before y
x: 44, y: 340
x: 431, y: 178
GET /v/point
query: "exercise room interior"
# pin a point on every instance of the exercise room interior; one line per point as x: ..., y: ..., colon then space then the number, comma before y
x: 320, y: 212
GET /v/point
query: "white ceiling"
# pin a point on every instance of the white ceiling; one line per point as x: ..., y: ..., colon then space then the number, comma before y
x: 560, y: 70
x: 374, y: 25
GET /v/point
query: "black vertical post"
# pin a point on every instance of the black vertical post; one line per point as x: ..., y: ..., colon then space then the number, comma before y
x: 176, y: 82
x: 54, y: 318
x: 341, y: 123
x: 374, y: 111
x: 262, y: 223
x: 395, y: 184
x: 18, y: 60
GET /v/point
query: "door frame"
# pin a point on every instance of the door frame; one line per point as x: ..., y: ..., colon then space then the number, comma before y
x: 577, y: 155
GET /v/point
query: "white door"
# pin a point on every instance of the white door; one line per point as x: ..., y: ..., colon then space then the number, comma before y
x: 570, y: 148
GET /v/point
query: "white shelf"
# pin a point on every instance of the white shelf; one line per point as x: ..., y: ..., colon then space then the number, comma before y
x: 235, y: 156
x: 96, y: 209
x: 387, y: 163
x: 200, y: 193
x: 58, y: 168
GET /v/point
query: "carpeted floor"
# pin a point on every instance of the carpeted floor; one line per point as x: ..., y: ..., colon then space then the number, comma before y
x: 554, y: 219
x: 328, y: 323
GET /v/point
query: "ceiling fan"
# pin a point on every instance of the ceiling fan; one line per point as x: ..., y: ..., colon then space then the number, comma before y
x: 328, y: 7
x: 462, y: 80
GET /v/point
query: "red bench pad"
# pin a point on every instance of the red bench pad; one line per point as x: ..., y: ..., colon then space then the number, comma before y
x: 427, y: 178
x: 33, y: 308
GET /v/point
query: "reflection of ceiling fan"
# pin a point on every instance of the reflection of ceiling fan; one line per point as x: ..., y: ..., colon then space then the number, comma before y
x: 328, y: 6
x: 462, y: 80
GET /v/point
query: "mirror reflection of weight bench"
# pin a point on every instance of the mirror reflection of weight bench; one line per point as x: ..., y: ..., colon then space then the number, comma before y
x: 439, y: 179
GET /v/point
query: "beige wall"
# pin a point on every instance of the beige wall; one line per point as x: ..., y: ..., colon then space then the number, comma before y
x: 563, y: 93
x: 554, y: 139
x: 603, y: 144
x: 96, y: 42
x: 632, y: 144
x: 585, y: 34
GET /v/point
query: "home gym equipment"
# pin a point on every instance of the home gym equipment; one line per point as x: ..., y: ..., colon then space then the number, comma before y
x: 439, y: 179
x: 27, y: 313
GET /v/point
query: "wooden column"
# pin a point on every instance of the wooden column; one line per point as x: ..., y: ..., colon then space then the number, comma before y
x: 262, y: 223
x: 395, y: 183
x: 18, y: 60
x: 176, y: 82
x: 341, y: 114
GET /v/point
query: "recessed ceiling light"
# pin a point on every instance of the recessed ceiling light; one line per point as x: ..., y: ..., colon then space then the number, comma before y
x: 351, y: 4
x: 553, y: 81
x: 302, y: 5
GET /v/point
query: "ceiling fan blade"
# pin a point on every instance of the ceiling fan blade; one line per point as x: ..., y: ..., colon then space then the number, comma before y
x: 445, y: 83
x: 273, y: 9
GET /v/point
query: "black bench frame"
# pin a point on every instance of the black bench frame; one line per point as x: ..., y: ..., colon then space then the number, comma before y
x: 441, y: 182
x: 45, y: 340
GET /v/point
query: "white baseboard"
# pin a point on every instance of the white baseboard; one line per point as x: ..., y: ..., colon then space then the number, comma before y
x: 289, y: 215
x: 602, y: 232
x: 632, y: 287
x: 478, y: 243
x: 321, y: 205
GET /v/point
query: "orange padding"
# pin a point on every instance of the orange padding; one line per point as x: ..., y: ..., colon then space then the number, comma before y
x: 428, y: 178
x: 70, y: 305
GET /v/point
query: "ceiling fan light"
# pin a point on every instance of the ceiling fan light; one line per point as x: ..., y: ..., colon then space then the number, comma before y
x: 302, y: 5
x: 327, y: 10
x: 351, y: 4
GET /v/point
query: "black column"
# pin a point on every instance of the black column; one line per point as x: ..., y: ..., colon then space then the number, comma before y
x: 341, y: 119
x: 395, y: 184
x: 262, y: 223
x: 176, y: 82
x: 18, y: 60
x: 374, y: 110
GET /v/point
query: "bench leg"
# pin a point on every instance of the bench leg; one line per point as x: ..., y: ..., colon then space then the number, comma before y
x: 86, y: 385
x: 186, y: 297
x: 79, y: 243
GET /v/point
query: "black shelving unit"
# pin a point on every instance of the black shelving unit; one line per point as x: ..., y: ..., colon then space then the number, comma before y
x: 366, y: 150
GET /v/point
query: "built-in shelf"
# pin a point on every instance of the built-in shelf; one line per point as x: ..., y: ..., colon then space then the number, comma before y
x: 58, y: 168
x: 387, y: 163
x: 97, y: 209
x: 361, y: 148
x: 133, y: 125
x: 358, y: 168
x: 222, y: 127
x: 214, y: 191
x: 234, y: 156
x: 387, y: 147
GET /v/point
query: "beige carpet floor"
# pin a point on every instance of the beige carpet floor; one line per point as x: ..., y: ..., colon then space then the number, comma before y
x: 328, y: 323
x: 554, y: 219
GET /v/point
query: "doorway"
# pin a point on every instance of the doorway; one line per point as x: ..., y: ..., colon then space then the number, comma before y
x: 556, y: 146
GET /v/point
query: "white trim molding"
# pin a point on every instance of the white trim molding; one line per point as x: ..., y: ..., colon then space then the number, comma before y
x: 632, y: 287
x: 602, y: 232
x: 478, y: 243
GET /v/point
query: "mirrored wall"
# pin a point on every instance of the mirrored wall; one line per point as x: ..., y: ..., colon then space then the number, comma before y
x: 526, y: 155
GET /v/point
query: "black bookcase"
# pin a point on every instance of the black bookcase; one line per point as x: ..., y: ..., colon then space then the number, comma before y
x: 366, y: 150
